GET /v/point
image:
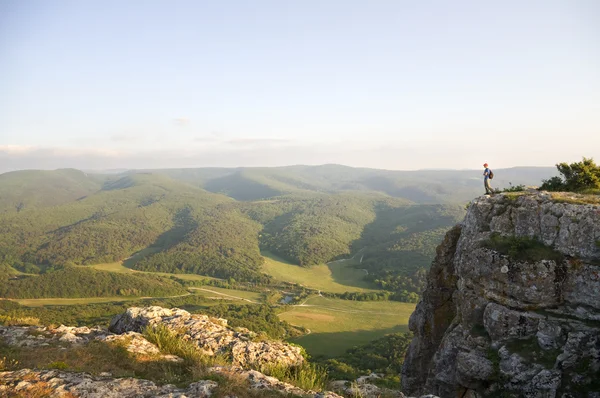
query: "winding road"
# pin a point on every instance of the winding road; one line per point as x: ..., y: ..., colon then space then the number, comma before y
x: 223, y: 294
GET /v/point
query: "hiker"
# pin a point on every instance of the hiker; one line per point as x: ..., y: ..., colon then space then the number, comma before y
x: 487, y: 176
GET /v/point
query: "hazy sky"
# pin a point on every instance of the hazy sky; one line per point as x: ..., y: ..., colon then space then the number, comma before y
x: 387, y: 84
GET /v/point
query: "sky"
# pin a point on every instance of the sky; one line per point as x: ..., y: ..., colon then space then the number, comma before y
x: 385, y: 84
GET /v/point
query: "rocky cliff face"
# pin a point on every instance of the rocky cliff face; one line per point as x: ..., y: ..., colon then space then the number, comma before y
x: 512, y: 305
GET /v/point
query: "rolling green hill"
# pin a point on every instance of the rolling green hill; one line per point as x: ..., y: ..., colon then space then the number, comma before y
x: 420, y: 186
x: 31, y: 189
x: 125, y: 216
x: 215, y: 221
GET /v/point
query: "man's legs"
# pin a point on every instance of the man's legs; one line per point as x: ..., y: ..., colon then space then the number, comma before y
x: 488, y: 189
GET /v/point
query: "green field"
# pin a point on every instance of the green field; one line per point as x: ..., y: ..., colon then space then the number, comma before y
x: 337, y: 325
x: 335, y: 277
x: 112, y: 267
x: 120, y: 268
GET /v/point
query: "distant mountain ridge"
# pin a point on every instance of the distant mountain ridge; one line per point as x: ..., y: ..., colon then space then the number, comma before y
x: 421, y: 186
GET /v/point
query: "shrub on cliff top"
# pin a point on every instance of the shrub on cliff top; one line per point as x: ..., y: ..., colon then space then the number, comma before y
x: 576, y: 177
x: 514, y: 188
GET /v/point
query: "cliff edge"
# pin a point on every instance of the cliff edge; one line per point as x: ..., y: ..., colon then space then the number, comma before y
x: 512, y: 303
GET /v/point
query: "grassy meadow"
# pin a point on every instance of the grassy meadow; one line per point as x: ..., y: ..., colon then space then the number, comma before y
x: 120, y: 267
x: 337, y: 325
x: 335, y: 277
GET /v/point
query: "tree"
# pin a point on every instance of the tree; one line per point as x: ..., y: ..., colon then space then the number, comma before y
x: 577, y: 177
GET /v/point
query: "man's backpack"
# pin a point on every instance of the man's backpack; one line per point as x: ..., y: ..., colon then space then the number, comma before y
x: 491, y: 174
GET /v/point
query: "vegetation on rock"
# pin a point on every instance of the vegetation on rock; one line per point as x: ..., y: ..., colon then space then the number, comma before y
x: 581, y: 176
x: 521, y: 248
x: 384, y: 355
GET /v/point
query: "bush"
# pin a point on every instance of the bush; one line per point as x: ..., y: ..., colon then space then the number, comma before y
x: 553, y: 184
x: 384, y: 356
x: 307, y: 376
x: 169, y: 342
x: 514, y: 188
x: 59, y: 365
x: 577, y: 177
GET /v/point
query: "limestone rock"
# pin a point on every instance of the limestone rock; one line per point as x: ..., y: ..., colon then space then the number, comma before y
x: 473, y: 368
x: 138, y: 345
x: 70, y: 338
x: 211, y: 335
x: 35, y: 336
x: 64, y: 384
x: 519, y: 327
x: 433, y: 315
x: 363, y: 387
x: 260, y: 381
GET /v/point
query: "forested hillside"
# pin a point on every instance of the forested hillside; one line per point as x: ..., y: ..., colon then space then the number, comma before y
x: 82, y: 282
x: 125, y: 216
x: 30, y: 189
x: 219, y: 242
x: 170, y: 222
x: 319, y: 230
x: 399, y: 245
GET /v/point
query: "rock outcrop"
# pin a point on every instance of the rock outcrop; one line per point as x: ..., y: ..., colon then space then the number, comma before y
x: 211, y: 335
x: 57, y: 384
x: 364, y: 387
x: 34, y: 336
x: 519, y: 318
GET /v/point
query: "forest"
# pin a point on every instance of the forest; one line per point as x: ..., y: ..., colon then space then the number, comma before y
x: 74, y: 282
x: 173, y: 226
x: 216, y: 222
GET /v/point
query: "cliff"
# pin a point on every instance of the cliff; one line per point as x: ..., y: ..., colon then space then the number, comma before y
x: 512, y: 304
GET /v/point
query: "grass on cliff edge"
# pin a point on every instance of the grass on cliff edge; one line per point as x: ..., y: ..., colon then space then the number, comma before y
x: 94, y: 358
x: 521, y: 248
x: 590, y: 198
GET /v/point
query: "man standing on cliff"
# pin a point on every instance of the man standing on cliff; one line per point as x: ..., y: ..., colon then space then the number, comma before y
x: 486, y: 180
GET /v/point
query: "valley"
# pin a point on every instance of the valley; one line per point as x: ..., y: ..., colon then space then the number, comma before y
x: 330, y: 258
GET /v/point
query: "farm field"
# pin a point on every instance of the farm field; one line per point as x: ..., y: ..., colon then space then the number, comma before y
x: 335, y: 277
x: 337, y: 325
x: 120, y: 268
